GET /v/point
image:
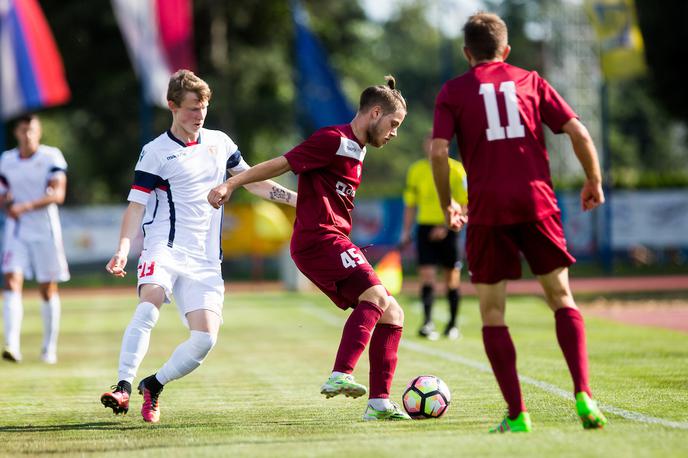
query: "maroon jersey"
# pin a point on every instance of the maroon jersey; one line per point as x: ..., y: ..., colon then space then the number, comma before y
x: 496, y: 111
x: 329, y: 167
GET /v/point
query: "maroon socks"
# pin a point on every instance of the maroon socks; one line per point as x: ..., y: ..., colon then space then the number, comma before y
x: 356, y: 335
x: 571, y: 337
x: 384, y: 346
x: 502, y: 355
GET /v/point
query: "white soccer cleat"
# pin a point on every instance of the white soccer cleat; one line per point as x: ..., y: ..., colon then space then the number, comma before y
x: 49, y: 357
x: 11, y: 355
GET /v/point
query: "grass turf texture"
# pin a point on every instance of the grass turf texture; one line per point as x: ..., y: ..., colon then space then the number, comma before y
x: 257, y: 393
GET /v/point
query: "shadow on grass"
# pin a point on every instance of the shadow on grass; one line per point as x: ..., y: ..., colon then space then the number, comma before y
x: 96, y: 426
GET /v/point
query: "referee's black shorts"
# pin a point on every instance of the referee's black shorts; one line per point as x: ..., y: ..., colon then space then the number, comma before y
x: 444, y: 253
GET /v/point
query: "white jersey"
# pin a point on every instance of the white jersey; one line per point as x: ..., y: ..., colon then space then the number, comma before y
x: 26, y: 179
x: 173, y: 181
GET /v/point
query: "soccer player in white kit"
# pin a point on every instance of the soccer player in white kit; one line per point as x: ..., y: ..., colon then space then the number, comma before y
x: 32, y: 184
x: 181, y: 245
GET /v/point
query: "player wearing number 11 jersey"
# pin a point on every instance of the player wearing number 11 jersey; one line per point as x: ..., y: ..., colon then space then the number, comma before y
x: 497, y: 112
x: 329, y: 167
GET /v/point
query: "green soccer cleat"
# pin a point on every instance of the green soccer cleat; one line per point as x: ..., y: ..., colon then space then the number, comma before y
x: 591, y: 415
x: 393, y: 413
x: 520, y: 424
x: 342, y: 384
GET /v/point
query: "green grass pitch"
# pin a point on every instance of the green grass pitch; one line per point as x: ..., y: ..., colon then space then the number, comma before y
x: 257, y: 394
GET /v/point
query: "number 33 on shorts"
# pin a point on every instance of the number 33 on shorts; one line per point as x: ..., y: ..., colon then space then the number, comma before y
x: 146, y: 269
x: 350, y: 258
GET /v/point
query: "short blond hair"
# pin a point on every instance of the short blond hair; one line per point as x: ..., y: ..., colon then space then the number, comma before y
x: 184, y: 81
x: 485, y: 35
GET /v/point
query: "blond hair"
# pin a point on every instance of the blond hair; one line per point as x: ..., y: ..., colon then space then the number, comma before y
x: 184, y: 81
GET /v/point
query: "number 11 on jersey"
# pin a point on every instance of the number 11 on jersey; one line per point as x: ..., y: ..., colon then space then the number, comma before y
x: 494, y: 130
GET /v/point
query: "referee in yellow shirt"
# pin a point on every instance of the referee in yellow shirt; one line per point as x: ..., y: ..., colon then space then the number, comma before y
x: 436, y: 245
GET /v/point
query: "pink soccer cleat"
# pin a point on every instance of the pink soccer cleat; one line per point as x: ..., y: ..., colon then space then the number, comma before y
x: 150, y: 410
x: 117, y: 400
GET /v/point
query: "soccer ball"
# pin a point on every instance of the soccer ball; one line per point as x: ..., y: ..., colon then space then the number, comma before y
x: 426, y: 396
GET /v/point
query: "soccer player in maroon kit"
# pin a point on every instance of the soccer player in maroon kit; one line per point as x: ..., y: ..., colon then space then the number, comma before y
x: 329, y: 166
x: 497, y: 111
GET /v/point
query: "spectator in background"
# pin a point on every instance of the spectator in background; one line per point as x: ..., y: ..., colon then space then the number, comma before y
x: 436, y: 245
x: 33, y: 183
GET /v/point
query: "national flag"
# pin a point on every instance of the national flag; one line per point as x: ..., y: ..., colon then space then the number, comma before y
x: 619, y: 37
x: 31, y: 72
x: 159, y: 37
x: 319, y: 93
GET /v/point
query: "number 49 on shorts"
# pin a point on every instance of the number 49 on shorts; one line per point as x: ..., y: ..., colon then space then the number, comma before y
x: 350, y: 258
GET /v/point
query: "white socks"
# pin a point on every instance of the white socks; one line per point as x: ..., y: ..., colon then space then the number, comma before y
x: 380, y: 403
x: 13, y: 312
x: 136, y: 339
x: 51, y: 326
x: 187, y: 357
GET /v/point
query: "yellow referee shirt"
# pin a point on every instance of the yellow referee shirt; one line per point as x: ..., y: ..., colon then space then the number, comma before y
x: 420, y: 190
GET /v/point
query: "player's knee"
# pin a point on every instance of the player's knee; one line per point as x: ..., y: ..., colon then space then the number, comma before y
x: 201, y: 344
x: 559, y: 297
x: 393, y: 314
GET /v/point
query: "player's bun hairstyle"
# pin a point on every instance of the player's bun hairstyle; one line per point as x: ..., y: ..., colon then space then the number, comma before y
x: 184, y: 81
x: 485, y: 35
x: 387, y: 96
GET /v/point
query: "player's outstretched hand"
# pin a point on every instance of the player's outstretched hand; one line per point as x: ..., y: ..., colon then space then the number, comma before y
x: 219, y: 195
x: 116, y: 265
x: 591, y: 195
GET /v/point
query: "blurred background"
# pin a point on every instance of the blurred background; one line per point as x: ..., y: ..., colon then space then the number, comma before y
x: 279, y: 69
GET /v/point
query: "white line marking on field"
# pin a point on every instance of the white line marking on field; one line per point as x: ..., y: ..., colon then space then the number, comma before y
x: 335, y: 320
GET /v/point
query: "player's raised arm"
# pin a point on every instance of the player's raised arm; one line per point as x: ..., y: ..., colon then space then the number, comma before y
x: 131, y: 223
x: 261, y: 172
x: 592, y: 195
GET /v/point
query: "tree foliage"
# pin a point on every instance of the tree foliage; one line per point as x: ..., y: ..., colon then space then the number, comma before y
x: 245, y: 51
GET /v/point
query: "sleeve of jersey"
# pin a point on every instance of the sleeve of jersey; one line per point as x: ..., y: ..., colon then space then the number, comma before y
x: 236, y: 163
x: 146, y: 179
x: 554, y: 110
x: 316, y: 152
x: 410, y: 191
x: 443, y: 123
x: 58, y: 165
x: 4, y: 185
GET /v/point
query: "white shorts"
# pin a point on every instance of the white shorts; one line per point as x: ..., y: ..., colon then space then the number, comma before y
x: 195, y: 284
x: 42, y: 260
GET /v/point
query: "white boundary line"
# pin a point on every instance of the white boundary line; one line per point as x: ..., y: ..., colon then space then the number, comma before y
x: 335, y: 320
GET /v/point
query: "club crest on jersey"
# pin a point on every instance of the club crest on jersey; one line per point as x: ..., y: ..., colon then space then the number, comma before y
x: 212, y: 149
x: 344, y: 189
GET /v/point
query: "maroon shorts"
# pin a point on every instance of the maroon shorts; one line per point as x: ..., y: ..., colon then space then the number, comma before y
x: 338, y: 268
x: 493, y: 251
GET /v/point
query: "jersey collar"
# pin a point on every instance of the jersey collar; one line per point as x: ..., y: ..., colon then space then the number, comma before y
x: 176, y: 140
